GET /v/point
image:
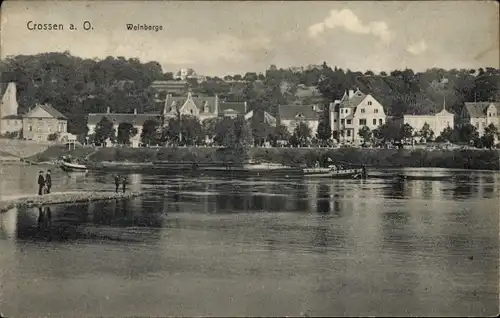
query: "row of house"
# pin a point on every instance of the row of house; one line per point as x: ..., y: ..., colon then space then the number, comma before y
x: 347, y: 116
x: 37, y: 124
x: 201, y: 107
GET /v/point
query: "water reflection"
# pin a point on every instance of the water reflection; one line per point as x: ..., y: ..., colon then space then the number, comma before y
x: 323, y: 199
x: 325, y: 247
x: 87, y: 221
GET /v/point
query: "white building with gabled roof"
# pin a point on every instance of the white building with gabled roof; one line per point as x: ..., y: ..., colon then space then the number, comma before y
x: 437, y: 122
x: 355, y: 110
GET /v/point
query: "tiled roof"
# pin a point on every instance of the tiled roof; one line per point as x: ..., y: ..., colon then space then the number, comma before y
x: 54, y: 112
x: 354, y: 101
x: 51, y: 110
x: 291, y: 112
x: 13, y: 117
x: 171, y: 102
x: 479, y: 109
x: 135, y: 119
x: 237, y: 107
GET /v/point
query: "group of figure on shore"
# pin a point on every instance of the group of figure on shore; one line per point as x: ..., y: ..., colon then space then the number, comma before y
x: 120, y: 180
x: 44, y: 182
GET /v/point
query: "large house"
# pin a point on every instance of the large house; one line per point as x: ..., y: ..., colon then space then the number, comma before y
x: 354, y: 111
x: 437, y: 122
x: 201, y: 107
x: 37, y: 124
x: 137, y: 120
x: 291, y: 116
x: 481, y: 115
x: 42, y: 121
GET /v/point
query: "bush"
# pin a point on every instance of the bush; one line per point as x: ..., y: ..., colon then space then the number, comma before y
x: 53, y: 137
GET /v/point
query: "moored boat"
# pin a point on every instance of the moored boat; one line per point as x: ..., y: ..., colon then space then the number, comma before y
x: 72, y: 167
x: 332, y: 173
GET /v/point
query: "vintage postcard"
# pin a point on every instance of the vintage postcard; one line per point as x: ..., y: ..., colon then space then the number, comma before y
x: 249, y: 158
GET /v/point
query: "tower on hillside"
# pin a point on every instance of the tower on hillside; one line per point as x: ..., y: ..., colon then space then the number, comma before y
x: 9, y: 105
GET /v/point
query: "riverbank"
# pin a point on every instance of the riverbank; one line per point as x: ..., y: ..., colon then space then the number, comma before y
x: 60, y: 198
x: 128, y: 158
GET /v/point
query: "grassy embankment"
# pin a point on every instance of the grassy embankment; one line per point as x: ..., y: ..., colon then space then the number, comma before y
x: 381, y: 158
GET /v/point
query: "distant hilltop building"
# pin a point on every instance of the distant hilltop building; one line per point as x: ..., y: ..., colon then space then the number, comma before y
x: 163, y: 88
x: 437, y: 122
x: 184, y: 74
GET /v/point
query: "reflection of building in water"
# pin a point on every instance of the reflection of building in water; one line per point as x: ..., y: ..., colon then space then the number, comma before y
x: 135, y: 181
x: 8, y: 224
x: 312, y: 195
x: 323, y: 199
x: 300, y: 197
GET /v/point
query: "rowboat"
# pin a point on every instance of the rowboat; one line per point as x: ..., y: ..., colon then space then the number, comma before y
x: 332, y: 173
x: 73, y: 167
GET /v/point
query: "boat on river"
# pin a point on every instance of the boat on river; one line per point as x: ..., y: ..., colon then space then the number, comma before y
x: 69, y: 166
x: 333, y: 172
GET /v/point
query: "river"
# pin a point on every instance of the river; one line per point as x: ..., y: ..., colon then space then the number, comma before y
x: 210, y: 246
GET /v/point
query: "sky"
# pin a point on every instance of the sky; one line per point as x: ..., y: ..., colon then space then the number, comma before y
x: 218, y: 38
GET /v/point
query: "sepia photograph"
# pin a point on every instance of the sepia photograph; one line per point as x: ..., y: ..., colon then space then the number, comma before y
x: 249, y: 158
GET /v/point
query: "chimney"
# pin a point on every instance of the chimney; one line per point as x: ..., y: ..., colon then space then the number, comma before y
x: 135, y: 111
x: 351, y: 93
x: 108, y: 110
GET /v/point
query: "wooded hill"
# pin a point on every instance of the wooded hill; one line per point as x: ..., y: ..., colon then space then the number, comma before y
x: 77, y: 86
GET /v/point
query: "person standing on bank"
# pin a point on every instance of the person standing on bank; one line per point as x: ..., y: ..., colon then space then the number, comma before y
x: 48, y: 181
x: 41, y: 183
x: 124, y: 184
x: 117, y: 183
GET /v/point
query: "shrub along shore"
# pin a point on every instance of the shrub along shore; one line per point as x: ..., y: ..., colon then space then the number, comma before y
x: 376, y: 158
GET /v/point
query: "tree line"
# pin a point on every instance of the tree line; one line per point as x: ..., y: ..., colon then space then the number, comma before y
x: 77, y: 86
x: 237, y: 133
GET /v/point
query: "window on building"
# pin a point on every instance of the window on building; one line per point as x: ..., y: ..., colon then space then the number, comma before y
x: 374, y: 121
x: 477, y: 125
x: 380, y: 122
x: 342, y: 121
x: 191, y: 111
x: 362, y: 122
x: 376, y: 111
x: 30, y: 128
x: 370, y: 102
x: 334, y: 120
x: 349, y: 121
x: 362, y: 110
x: 348, y: 133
